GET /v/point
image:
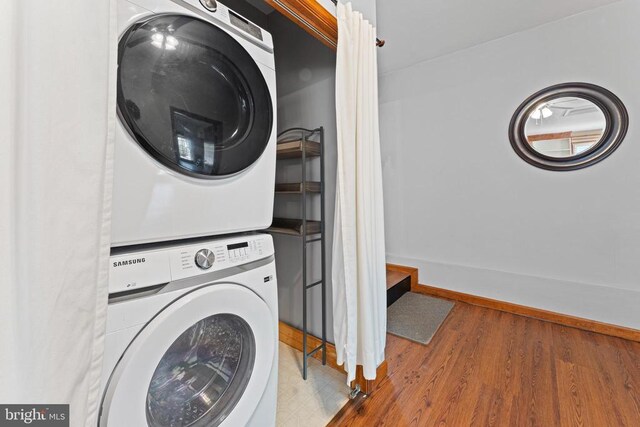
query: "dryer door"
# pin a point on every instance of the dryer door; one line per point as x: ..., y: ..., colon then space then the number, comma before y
x: 204, y: 360
x: 192, y: 96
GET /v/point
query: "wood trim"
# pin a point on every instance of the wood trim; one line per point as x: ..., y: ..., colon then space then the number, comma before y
x: 369, y: 386
x: 293, y: 338
x: 312, y: 17
x: 545, y: 136
x: 394, y: 277
x: 408, y: 270
x: 537, y: 313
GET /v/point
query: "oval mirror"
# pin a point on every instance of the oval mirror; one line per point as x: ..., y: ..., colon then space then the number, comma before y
x: 568, y: 126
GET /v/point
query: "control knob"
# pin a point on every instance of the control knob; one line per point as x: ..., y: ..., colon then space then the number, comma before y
x: 205, y: 259
x: 210, y: 5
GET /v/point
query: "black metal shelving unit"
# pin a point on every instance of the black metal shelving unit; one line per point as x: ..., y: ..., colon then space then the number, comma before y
x: 305, y: 145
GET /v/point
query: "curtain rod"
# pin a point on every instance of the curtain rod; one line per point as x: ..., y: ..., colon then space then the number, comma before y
x: 379, y: 42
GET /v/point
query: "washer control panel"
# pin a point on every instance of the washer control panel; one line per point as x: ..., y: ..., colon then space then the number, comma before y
x: 243, y: 251
x: 192, y: 260
x: 141, y: 269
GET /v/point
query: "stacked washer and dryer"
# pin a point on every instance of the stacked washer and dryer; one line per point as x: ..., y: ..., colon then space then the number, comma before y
x: 192, y: 321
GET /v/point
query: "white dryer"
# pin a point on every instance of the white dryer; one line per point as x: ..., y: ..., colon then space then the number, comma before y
x: 192, y: 335
x: 195, y: 138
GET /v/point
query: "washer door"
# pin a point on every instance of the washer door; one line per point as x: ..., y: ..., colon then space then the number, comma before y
x: 204, y: 360
x: 192, y: 96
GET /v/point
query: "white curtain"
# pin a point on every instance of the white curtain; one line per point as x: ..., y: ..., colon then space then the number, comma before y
x: 359, y: 276
x: 57, y: 116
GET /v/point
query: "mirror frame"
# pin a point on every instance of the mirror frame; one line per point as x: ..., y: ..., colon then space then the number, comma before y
x: 615, y: 113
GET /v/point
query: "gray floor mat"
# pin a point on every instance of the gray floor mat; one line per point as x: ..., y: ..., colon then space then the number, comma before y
x: 417, y: 317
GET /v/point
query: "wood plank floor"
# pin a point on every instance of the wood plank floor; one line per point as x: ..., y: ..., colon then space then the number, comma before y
x: 489, y: 368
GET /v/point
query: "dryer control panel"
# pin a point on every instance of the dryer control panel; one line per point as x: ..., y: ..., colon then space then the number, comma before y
x: 147, y: 268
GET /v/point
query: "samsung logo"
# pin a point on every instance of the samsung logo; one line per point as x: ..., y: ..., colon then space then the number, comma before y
x: 129, y: 262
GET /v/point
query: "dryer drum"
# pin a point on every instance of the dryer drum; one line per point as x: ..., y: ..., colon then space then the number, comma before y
x: 192, y: 96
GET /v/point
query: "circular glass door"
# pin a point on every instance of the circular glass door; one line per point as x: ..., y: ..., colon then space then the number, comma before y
x: 203, y: 374
x: 192, y: 96
x: 205, y: 359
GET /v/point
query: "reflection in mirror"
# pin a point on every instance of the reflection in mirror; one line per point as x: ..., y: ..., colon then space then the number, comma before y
x: 565, y: 126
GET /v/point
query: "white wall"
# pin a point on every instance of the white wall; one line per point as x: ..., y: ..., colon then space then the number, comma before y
x: 366, y: 7
x: 474, y: 217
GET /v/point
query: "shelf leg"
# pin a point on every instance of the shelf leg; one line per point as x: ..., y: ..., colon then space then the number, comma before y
x: 323, y: 249
x: 304, y: 258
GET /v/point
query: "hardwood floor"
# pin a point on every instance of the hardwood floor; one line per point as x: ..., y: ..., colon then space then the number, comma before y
x: 490, y: 368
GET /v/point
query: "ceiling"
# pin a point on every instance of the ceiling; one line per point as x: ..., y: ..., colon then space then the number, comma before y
x: 419, y: 30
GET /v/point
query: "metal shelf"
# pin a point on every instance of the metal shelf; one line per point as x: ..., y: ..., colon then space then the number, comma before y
x: 298, y: 187
x: 299, y: 143
x: 295, y: 149
x: 295, y: 227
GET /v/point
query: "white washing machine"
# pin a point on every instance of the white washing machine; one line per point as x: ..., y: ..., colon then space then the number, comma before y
x: 192, y: 335
x: 195, y: 138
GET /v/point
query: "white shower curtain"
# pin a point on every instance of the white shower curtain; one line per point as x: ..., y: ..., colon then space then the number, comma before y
x: 359, y: 275
x: 57, y: 116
